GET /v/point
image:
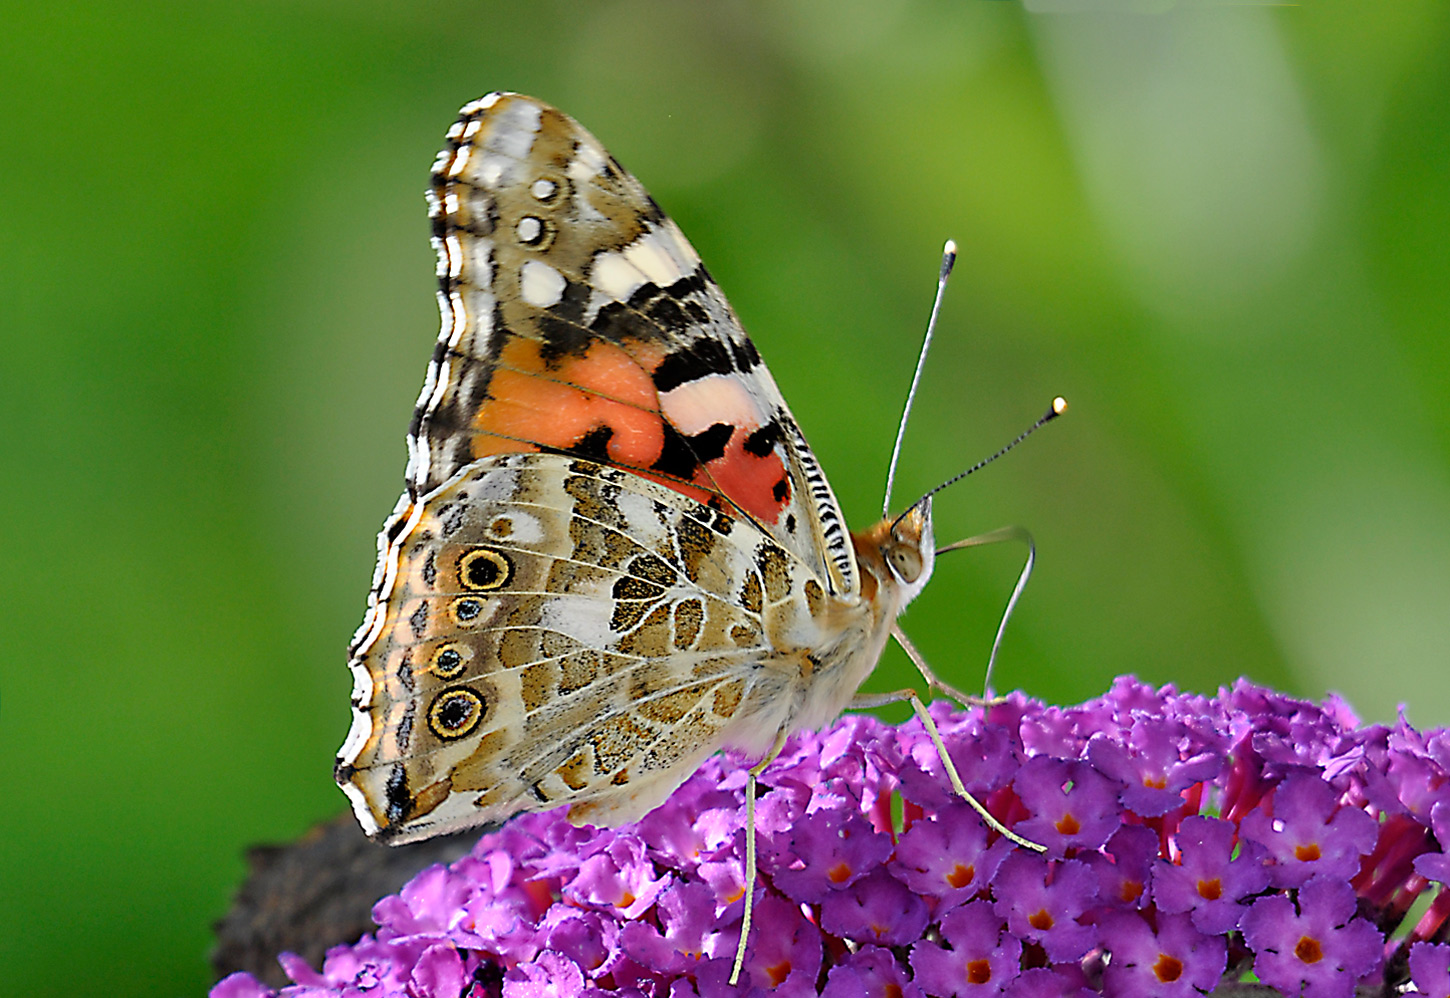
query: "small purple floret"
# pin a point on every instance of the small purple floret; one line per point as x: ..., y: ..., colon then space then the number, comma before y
x: 976, y: 955
x: 1176, y: 961
x: 1321, y: 948
x: 1208, y: 880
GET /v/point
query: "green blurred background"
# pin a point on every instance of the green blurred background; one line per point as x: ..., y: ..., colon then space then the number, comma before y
x: 1219, y: 230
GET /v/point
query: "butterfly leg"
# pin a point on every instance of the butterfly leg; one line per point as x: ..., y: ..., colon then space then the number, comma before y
x: 750, y: 778
x: 864, y: 701
x: 932, y: 681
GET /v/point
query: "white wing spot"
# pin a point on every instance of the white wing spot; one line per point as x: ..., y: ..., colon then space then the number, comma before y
x: 615, y: 276
x: 494, y: 485
x: 518, y: 528
x: 529, y: 229
x: 491, y: 170
x: 582, y: 616
x: 514, y: 129
x: 641, y: 520
x: 588, y: 162
x: 543, y: 189
x: 540, y: 284
x: 479, y: 260
x: 697, y: 405
x: 657, y: 255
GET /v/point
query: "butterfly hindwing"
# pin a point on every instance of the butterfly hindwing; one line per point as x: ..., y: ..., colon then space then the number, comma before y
x: 562, y: 632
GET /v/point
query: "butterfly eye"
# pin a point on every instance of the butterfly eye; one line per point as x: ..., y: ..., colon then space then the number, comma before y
x: 905, y: 562
x: 454, y: 713
x: 483, y: 570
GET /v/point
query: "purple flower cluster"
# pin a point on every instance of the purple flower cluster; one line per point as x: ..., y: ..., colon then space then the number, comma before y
x: 1192, y: 842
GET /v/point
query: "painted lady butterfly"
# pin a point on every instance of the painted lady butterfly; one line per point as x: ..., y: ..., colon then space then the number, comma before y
x: 615, y: 554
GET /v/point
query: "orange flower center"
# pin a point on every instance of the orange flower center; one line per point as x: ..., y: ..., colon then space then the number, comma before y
x: 961, y: 875
x: 1308, y: 949
x: 1168, y: 968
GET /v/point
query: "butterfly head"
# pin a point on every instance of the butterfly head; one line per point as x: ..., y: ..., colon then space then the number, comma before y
x: 900, y: 553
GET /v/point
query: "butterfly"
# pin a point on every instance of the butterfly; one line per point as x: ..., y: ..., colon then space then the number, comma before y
x: 615, y: 554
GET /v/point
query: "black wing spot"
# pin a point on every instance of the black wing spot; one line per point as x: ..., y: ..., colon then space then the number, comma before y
x: 669, y: 316
x: 455, y: 712
x: 483, y: 569
x: 618, y: 323
x: 676, y: 458
x: 751, y: 355
x: 763, y: 441
x: 405, y: 671
x: 448, y: 662
x: 594, y: 444
x: 703, y: 357
x: 562, y: 338
x: 710, y: 443
x: 419, y: 619
x: 399, y: 800
x: 643, y: 295
x: 781, y: 490
x: 687, y: 286
x: 465, y: 611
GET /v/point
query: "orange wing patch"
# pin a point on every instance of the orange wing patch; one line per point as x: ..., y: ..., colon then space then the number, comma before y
x: 603, y: 396
x: 602, y: 405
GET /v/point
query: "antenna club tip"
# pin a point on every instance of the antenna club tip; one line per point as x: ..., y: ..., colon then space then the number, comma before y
x: 950, y: 248
x: 1059, y: 406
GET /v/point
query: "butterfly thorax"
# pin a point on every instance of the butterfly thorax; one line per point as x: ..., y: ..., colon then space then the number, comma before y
x: 894, y: 558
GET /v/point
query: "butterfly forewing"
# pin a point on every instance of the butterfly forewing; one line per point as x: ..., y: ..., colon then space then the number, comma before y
x: 578, y: 318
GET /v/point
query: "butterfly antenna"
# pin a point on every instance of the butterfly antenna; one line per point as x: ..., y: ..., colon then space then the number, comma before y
x: 948, y: 260
x: 1057, y: 408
